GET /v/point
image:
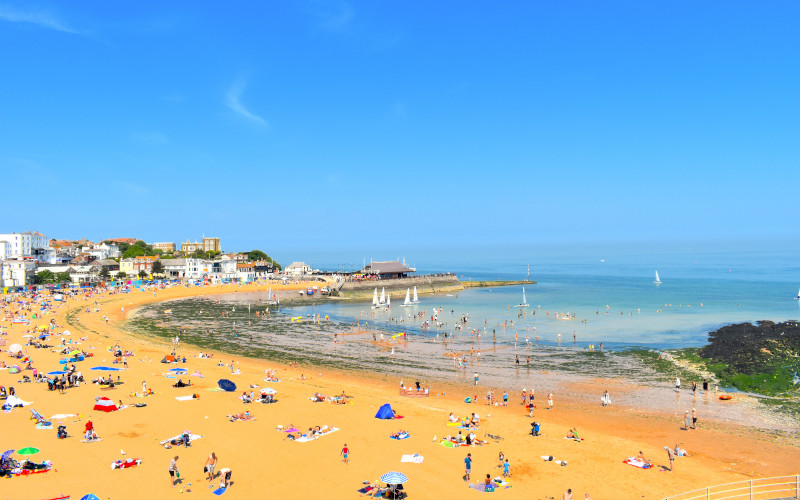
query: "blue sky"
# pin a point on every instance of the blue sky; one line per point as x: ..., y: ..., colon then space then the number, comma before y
x: 381, y: 129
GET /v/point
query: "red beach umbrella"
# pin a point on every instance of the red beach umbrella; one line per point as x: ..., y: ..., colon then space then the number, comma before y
x: 105, y: 404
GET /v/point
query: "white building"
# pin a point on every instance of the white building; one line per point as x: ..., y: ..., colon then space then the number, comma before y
x: 17, y: 272
x: 298, y: 269
x: 197, y: 269
x: 22, y: 244
x: 104, y: 251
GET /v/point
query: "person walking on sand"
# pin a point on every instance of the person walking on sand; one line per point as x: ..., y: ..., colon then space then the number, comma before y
x: 211, y: 463
x: 671, y: 457
x: 345, y: 454
x: 694, y: 418
x: 173, y: 470
x: 567, y: 495
x: 476, y: 378
x: 677, y: 384
x: 467, y: 466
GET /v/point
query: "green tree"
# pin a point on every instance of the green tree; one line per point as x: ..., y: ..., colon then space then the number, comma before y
x: 104, y: 274
x: 158, y: 267
x: 254, y: 255
x: 64, y: 277
x: 142, y: 274
x: 122, y: 274
x: 133, y: 251
x: 46, y: 276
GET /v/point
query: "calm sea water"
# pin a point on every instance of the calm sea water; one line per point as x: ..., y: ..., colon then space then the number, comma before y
x: 611, y: 298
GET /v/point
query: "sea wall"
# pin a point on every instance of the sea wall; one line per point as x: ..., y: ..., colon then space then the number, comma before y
x: 428, y: 284
x: 477, y: 284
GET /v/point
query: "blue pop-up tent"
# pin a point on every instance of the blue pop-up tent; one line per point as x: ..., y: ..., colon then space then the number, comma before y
x: 385, y: 412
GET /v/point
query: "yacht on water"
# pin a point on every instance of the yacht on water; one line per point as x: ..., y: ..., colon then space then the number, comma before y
x: 658, y: 280
x: 524, y: 300
x: 376, y: 302
x: 415, y: 300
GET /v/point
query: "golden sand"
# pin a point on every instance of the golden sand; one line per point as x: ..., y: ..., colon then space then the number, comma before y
x: 267, y: 465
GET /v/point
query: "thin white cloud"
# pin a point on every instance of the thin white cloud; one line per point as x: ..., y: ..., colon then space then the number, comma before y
x: 41, y: 19
x: 233, y: 99
x: 333, y: 15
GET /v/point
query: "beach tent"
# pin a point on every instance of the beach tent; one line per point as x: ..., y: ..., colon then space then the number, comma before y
x: 105, y: 404
x: 385, y: 412
x: 13, y: 369
x: 14, y: 401
x: 168, y: 359
x: 226, y: 385
x: 14, y: 348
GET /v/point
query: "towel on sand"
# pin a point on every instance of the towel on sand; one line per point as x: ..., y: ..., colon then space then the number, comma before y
x: 304, y: 439
x: 417, y: 459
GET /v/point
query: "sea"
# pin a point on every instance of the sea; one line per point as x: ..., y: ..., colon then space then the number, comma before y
x: 579, y: 301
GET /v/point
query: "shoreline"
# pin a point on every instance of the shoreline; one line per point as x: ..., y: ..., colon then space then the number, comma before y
x: 595, y: 466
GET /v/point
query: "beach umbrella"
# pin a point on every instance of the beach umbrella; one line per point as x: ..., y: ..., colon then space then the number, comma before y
x: 65, y: 332
x: 76, y: 351
x: 394, y: 478
x: 6, y: 454
x: 14, y: 369
x: 28, y: 451
x: 226, y: 385
x: 27, y: 336
x: 105, y: 369
x: 178, y: 370
x: 268, y: 390
x: 90, y: 496
x: 105, y: 404
x: 57, y: 372
x: 15, y: 348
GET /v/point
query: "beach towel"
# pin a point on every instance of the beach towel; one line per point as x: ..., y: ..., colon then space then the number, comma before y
x: 401, y: 436
x: 304, y: 439
x: 124, y: 464
x: 501, y: 483
x: 290, y: 430
x: 63, y: 415
x: 186, y: 398
x: 448, y: 444
x: 637, y: 463
x: 219, y: 491
x: 416, y: 459
x: 48, y: 426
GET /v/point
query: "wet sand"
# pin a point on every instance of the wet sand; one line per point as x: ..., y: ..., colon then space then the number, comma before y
x: 265, y: 463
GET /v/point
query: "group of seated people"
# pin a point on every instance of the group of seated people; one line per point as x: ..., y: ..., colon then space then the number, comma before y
x: 374, y: 490
x: 470, y: 439
x: 401, y: 434
x: 106, y: 381
x: 573, y: 434
x: 266, y: 398
x: 181, y: 383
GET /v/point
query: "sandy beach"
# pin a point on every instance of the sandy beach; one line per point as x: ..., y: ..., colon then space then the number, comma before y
x: 265, y: 463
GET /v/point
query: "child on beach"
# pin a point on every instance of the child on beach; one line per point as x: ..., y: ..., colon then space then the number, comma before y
x: 345, y: 454
x: 506, y: 469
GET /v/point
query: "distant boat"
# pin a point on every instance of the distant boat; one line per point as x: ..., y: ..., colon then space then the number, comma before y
x: 375, y: 299
x: 798, y: 295
x: 524, y: 300
x: 388, y: 301
x: 658, y: 280
x: 379, y: 302
x: 415, y: 300
x: 407, y: 302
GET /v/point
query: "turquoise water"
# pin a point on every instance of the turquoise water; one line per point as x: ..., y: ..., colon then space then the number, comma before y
x: 612, y: 298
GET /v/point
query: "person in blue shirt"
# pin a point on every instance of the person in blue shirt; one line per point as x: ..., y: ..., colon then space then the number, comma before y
x: 467, y: 466
x: 506, y: 469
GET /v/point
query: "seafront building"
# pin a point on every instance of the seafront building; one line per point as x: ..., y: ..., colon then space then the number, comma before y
x: 165, y: 246
x: 21, y: 245
x: 207, y: 245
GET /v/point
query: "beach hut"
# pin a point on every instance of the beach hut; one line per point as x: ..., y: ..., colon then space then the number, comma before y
x: 385, y: 412
x: 105, y: 404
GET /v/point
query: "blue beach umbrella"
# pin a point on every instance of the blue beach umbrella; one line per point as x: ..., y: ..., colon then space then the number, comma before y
x: 105, y: 369
x: 226, y: 385
x: 57, y: 372
x: 90, y: 496
x: 394, y: 478
x: 6, y: 454
x: 178, y: 370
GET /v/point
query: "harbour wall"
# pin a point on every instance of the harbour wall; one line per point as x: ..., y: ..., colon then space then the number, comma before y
x: 429, y: 284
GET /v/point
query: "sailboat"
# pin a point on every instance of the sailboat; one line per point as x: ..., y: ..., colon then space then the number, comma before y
x: 388, y: 301
x: 798, y: 295
x: 375, y: 302
x: 271, y: 299
x: 658, y: 280
x: 415, y: 300
x: 407, y: 302
x: 524, y: 300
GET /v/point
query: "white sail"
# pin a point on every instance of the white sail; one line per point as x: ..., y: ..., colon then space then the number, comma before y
x: 407, y: 302
x: 658, y: 280
x: 389, y: 300
x: 524, y: 300
x: 375, y: 298
x: 416, y: 299
x: 383, y: 296
x: 798, y: 295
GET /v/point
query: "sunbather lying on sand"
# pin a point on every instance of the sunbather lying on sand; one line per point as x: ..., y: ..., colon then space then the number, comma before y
x: 241, y: 416
x: 641, y: 457
x: 452, y: 418
x: 399, y: 433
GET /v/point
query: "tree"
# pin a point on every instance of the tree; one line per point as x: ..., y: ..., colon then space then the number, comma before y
x: 142, y: 274
x: 64, y: 277
x: 133, y: 251
x: 158, y: 267
x: 254, y: 255
x: 104, y: 274
x: 122, y: 274
x: 46, y: 276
